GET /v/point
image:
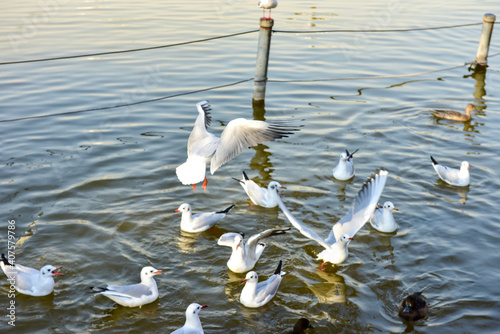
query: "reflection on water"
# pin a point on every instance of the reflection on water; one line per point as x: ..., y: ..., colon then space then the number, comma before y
x: 450, y: 189
x: 331, y: 290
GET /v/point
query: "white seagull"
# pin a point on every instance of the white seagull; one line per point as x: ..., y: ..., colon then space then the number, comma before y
x: 240, y: 133
x: 345, y: 168
x: 267, y: 4
x: 136, y: 294
x: 199, y: 222
x: 382, y: 219
x: 256, y: 294
x: 261, y: 196
x: 30, y: 281
x: 245, y: 255
x: 455, y: 177
x: 336, y: 245
x: 193, y: 323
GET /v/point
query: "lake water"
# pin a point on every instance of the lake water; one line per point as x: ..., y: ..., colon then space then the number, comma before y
x: 95, y: 192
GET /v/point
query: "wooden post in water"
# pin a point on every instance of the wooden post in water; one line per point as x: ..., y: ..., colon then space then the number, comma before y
x: 484, y: 41
x: 260, y: 79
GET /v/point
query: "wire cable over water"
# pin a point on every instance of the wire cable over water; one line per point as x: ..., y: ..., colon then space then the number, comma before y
x: 125, y: 104
x: 374, y: 30
x: 129, y: 50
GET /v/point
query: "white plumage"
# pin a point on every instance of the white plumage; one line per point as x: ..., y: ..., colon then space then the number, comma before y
x: 336, y: 245
x: 239, y: 134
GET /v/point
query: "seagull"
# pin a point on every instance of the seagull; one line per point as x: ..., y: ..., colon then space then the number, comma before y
x: 344, y: 230
x: 204, y: 147
x: 136, y: 294
x: 413, y: 307
x: 345, y: 168
x: 30, y: 281
x: 382, y: 219
x: 261, y: 196
x: 300, y: 326
x: 455, y: 115
x: 193, y: 323
x: 267, y: 4
x: 455, y: 177
x: 201, y: 221
x: 256, y: 294
x: 244, y: 256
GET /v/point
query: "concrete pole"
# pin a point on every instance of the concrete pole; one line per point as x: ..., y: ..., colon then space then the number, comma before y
x: 260, y: 78
x: 484, y: 41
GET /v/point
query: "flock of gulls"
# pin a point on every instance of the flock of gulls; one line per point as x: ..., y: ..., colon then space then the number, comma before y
x: 205, y: 148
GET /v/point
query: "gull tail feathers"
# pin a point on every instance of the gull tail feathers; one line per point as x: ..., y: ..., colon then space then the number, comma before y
x: 192, y: 171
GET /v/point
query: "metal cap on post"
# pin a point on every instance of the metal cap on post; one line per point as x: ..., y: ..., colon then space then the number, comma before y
x: 484, y: 41
x: 260, y: 79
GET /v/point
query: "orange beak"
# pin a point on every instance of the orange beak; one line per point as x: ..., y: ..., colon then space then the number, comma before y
x: 55, y: 273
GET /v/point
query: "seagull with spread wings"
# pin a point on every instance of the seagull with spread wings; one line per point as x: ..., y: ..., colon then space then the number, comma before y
x: 240, y: 133
x: 336, y: 245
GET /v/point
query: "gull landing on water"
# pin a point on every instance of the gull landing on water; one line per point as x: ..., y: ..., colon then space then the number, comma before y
x: 267, y: 4
x: 345, y: 168
x: 30, y: 281
x: 136, y: 294
x: 245, y: 255
x: 199, y: 222
x: 193, y: 323
x: 240, y: 133
x: 336, y: 245
x: 261, y: 196
x: 455, y: 177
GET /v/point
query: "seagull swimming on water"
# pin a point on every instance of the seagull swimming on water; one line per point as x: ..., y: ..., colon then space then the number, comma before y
x: 336, y: 245
x: 345, y: 168
x: 136, y: 294
x: 256, y: 294
x: 455, y: 177
x: 267, y: 4
x: 266, y: 197
x: 199, y: 222
x: 240, y: 133
x: 382, y: 219
x: 193, y: 323
x: 245, y: 255
x: 30, y: 281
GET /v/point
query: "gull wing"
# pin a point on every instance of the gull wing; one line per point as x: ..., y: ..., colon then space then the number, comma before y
x: 201, y: 124
x: 302, y: 229
x: 268, y: 288
x: 227, y: 239
x: 128, y: 291
x: 241, y: 133
x: 363, y: 206
x: 252, y: 243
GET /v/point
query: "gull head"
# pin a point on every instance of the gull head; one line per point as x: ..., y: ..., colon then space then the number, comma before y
x: 274, y: 185
x: 464, y: 165
x: 49, y: 270
x: 389, y: 206
x: 194, y: 308
x: 238, y: 240
x: 148, y: 272
x: 184, y: 208
x: 251, y: 277
x: 343, y: 156
x: 345, y: 239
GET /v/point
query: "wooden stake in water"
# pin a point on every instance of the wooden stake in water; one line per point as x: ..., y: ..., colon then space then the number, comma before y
x: 484, y: 41
x: 260, y: 79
